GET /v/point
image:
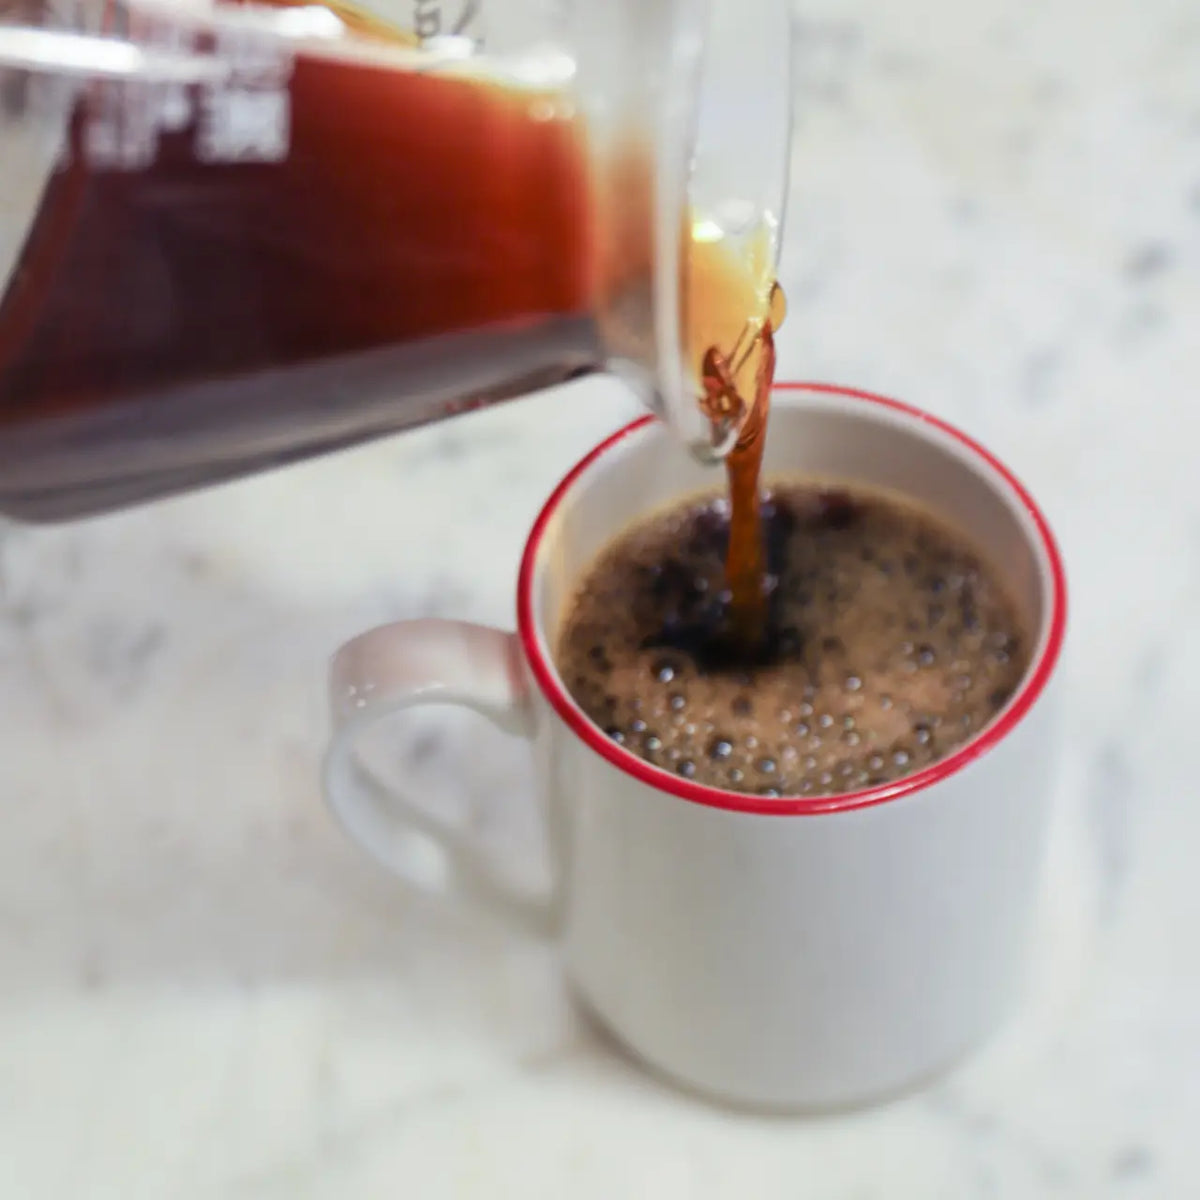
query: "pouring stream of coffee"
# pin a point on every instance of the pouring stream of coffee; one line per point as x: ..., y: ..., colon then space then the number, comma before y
x: 749, y: 369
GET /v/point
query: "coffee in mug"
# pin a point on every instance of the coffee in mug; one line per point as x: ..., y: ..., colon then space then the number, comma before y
x: 890, y: 640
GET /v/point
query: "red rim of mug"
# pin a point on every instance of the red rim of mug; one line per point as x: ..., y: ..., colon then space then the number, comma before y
x: 1035, y: 679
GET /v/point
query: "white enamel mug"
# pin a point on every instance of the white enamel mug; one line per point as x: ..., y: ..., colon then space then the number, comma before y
x: 785, y: 953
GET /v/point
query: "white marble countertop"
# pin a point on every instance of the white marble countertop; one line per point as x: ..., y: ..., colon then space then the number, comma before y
x: 206, y: 992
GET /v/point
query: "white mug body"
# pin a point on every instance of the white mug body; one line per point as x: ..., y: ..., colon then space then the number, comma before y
x: 783, y: 953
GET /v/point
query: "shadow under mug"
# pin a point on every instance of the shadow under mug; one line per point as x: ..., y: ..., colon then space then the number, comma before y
x: 785, y: 953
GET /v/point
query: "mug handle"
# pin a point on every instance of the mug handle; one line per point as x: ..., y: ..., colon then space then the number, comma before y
x: 396, y: 667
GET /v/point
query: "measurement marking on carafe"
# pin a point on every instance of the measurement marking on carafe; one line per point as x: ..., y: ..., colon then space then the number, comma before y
x: 242, y: 115
x: 241, y: 125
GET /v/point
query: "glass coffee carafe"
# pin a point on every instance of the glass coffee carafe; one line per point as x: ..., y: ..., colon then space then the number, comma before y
x: 235, y: 235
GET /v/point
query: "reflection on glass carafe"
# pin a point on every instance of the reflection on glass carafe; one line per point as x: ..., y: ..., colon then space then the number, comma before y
x: 243, y: 235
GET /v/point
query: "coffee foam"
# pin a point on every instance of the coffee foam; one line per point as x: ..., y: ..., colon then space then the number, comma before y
x: 890, y: 642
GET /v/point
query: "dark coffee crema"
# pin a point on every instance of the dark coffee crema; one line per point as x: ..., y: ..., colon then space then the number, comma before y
x: 888, y: 643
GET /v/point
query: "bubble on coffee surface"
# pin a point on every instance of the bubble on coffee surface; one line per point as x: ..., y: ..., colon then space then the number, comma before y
x: 888, y: 644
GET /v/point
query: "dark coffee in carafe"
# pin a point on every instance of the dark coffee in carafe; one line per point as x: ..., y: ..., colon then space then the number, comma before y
x: 423, y: 243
